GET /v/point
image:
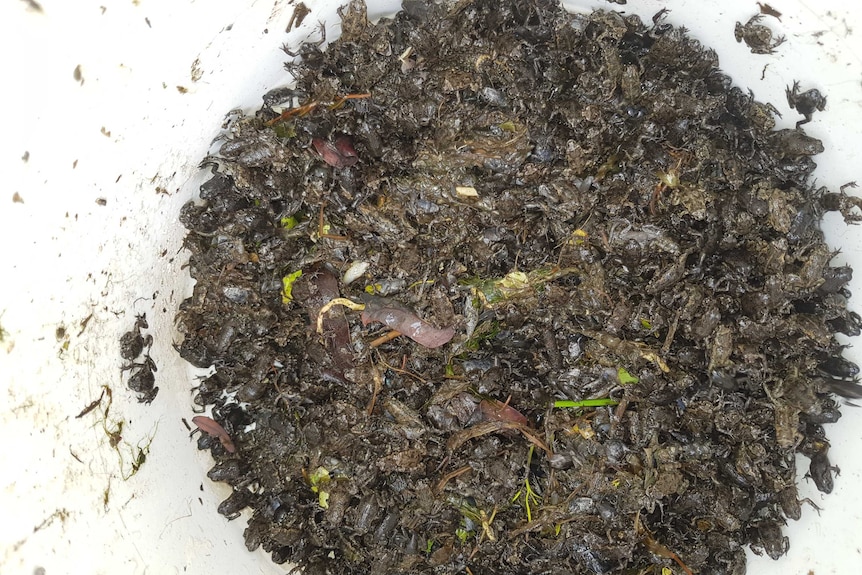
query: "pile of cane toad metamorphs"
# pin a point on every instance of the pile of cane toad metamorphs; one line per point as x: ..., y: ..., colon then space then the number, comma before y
x: 496, y: 288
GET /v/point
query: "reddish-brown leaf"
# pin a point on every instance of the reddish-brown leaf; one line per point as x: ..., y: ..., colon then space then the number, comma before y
x: 494, y: 410
x: 333, y: 155
x: 344, y: 145
x: 213, y: 428
x: 400, y: 318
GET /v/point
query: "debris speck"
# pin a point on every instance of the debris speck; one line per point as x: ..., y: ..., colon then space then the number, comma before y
x: 33, y: 5
x: 197, y: 73
x: 769, y: 11
x: 300, y: 11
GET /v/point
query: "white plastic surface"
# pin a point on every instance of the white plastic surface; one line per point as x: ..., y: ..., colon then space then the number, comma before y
x: 155, y: 82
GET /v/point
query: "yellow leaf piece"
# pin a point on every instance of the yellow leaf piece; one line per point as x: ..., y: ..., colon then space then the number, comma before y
x: 323, y: 499
x: 331, y: 304
x: 666, y: 571
x: 586, y: 431
x: 645, y: 323
x: 508, y: 126
x: 514, y: 281
x: 319, y: 477
x: 654, y: 357
x: 289, y: 222
x: 625, y: 377
x: 615, y: 482
x: 466, y: 191
x: 287, y: 286
x: 578, y: 238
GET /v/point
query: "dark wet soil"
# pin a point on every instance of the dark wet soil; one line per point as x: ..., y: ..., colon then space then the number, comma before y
x: 495, y: 288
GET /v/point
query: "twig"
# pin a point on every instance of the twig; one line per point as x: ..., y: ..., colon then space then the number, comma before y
x: 340, y: 101
x: 653, y: 546
x: 387, y: 337
x: 441, y: 485
x: 320, y: 228
x: 378, y: 384
x: 290, y: 112
x: 398, y: 369
x: 671, y: 332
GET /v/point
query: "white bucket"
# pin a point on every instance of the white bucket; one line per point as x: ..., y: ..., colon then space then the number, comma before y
x: 108, y: 111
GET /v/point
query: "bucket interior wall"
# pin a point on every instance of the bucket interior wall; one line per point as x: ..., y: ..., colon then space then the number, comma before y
x: 110, y: 108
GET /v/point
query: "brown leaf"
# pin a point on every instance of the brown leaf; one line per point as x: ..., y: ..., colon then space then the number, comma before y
x: 212, y: 427
x: 339, y: 155
x: 344, y: 145
x: 494, y: 410
x: 480, y: 429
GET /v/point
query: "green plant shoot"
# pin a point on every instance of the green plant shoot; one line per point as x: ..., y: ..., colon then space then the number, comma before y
x: 586, y: 403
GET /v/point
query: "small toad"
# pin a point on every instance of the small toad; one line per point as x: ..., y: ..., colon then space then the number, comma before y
x: 806, y: 103
x: 143, y: 380
x: 757, y: 36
